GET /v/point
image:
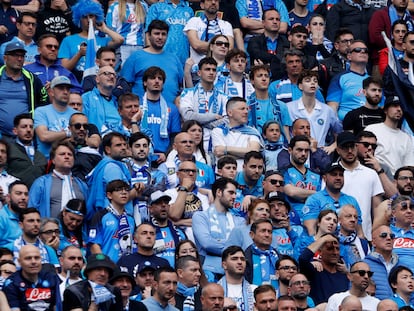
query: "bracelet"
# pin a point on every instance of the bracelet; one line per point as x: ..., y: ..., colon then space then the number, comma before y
x: 380, y: 171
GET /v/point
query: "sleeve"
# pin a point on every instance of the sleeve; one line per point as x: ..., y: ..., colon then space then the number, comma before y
x: 95, y: 229
x: 151, y: 15
x: 191, y: 25
x: 334, y: 90
x: 203, y: 237
x: 256, y: 50
x: 36, y: 193
x: 12, y: 293
x: 217, y: 138
x: 358, y: 209
x: 71, y: 301
x: 53, y: 259
x: 112, y: 172
x: 187, y: 109
x: 333, y: 20
x: 332, y: 304
x: 334, y: 122
x: 377, y: 24
x: 305, y: 265
x: 347, y: 122
x: 284, y: 15
x: 311, y: 208
x: 64, y: 49
x: 234, y: 238
x: 227, y: 29
x: 41, y: 97
x: 283, y: 159
x: 241, y: 6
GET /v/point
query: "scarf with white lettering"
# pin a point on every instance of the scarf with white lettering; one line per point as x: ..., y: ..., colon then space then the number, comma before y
x: 164, y: 116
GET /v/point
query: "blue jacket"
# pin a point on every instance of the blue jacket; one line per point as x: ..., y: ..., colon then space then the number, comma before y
x: 39, y: 195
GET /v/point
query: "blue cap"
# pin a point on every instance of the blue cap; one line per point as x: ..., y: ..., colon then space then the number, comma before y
x: 14, y: 46
x: 60, y: 80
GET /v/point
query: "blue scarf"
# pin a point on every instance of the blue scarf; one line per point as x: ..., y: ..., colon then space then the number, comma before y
x: 392, y: 12
x: 188, y: 293
x: 207, y: 105
x: 248, y: 299
x: 264, y: 263
x: 164, y: 117
x: 273, y: 146
x: 124, y: 231
x: 212, y: 28
x: 216, y: 231
x: 254, y: 105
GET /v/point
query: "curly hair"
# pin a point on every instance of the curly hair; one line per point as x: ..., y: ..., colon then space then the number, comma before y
x: 86, y: 7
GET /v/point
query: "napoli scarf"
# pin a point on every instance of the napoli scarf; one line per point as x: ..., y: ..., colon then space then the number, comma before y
x: 248, y: 299
x: 164, y: 116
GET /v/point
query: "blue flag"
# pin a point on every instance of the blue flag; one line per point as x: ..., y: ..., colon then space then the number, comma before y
x: 90, y: 66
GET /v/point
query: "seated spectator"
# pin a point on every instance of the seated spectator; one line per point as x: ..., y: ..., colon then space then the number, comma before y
x: 188, y: 289
x: 71, y: 220
x: 265, y: 298
x: 286, y: 269
x: 401, y: 282
x: 7, y: 268
x: 273, y: 145
x: 71, y: 265
x: 299, y: 289
x: 50, y: 233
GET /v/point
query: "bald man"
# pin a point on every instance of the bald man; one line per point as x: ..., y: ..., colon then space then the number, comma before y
x: 30, y: 288
x: 212, y: 297
x: 387, y: 305
x: 100, y: 105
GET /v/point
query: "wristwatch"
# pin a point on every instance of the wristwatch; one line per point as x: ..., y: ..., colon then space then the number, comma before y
x: 182, y: 188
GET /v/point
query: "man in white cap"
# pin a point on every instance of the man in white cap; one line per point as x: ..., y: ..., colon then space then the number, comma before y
x: 51, y: 122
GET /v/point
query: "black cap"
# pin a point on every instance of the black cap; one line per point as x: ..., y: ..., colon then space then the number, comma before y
x: 146, y: 265
x: 345, y: 138
x: 277, y: 196
x: 331, y: 167
x: 118, y: 273
x: 272, y: 172
x: 392, y: 101
x: 100, y: 261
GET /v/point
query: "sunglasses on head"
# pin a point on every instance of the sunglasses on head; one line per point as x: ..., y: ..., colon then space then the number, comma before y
x: 363, y: 272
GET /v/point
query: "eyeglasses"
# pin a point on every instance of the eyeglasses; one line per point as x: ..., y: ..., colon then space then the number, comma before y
x: 359, y: 50
x: 222, y: 43
x: 275, y: 182
x: 363, y: 272
x: 406, y: 178
x: 347, y: 41
x: 384, y: 235
x: 108, y: 73
x: 294, y: 268
x: 299, y: 283
x: 8, y: 272
x: 27, y: 24
x: 405, y: 206
x: 118, y: 189
x: 316, y: 24
x: 75, y: 257
x: 50, y: 232
x: 187, y: 170
x: 78, y: 126
x: 367, y: 144
x: 230, y: 308
x: 52, y: 46
x: 16, y: 55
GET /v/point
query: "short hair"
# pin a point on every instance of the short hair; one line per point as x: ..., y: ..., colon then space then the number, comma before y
x: 342, y: 31
x: 117, y: 183
x: 254, y: 204
x: 393, y: 276
x: 299, y: 29
x: 234, y: 53
x: 233, y: 100
x: 269, y: 10
x: 252, y: 154
x: 263, y: 289
x: 365, y: 134
x: 408, y: 33
x: 221, y: 184
x: 166, y: 269
x: 403, y: 168
x: 75, y: 115
x: 256, y: 68
x: 137, y: 136
x: 67, y: 248
x: 7, y: 262
x: 372, y: 80
x: 230, y: 251
x: 47, y: 220
x: 152, y: 72
x: 182, y: 262
x: 158, y: 24
x: 285, y: 298
x: 25, y: 211
x: 5, y: 143
x: 207, y: 61
x: 299, y: 119
x: 61, y: 143
x: 286, y: 257
x: 258, y: 222
x: 307, y: 73
x: 298, y: 138
x: 16, y: 183
x: 22, y: 116
x: 104, y: 49
x: 107, y: 139
x: 23, y: 14
x: 5, y: 251
x: 127, y: 97
x: 227, y: 159
x: 292, y: 52
x: 325, y: 212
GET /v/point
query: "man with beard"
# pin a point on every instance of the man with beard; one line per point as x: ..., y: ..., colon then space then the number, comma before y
x: 299, y: 289
x: 108, y: 169
x: 359, y: 276
x: 188, y: 289
x: 286, y: 268
x: 250, y: 180
x: 233, y: 282
x: 353, y: 248
x: 154, y: 55
x: 213, y: 226
x: 23, y: 159
x: 261, y: 256
x: 358, y: 119
x: 71, y: 264
x: 300, y: 181
x: 404, y: 180
x: 9, y: 214
x: 265, y: 298
x: 329, y: 198
x: 165, y: 286
x: 51, y: 122
x: 361, y: 182
x: 395, y: 147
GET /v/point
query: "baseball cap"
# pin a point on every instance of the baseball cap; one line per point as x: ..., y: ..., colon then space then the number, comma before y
x: 277, y: 196
x: 345, y: 138
x: 157, y: 196
x: 146, y: 265
x: 14, y: 46
x: 333, y: 166
x: 60, y: 80
x: 392, y: 101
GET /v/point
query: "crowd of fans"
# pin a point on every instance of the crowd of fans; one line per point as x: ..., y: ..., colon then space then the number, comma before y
x: 214, y: 155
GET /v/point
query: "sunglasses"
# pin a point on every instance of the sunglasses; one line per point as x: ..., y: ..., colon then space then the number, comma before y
x: 299, y: 283
x: 78, y: 126
x: 294, y: 268
x: 405, y: 206
x: 52, y: 46
x: 359, y: 50
x: 187, y: 170
x: 363, y: 272
x: 367, y: 144
x: 230, y: 308
x: 275, y: 182
x: 222, y: 43
x: 383, y: 235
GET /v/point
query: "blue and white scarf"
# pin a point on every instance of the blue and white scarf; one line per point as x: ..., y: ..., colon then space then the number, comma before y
x: 392, y: 12
x: 188, y: 293
x: 124, y: 232
x: 264, y: 263
x: 218, y: 232
x: 164, y: 117
x: 207, y: 105
x: 248, y: 299
x: 212, y: 28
